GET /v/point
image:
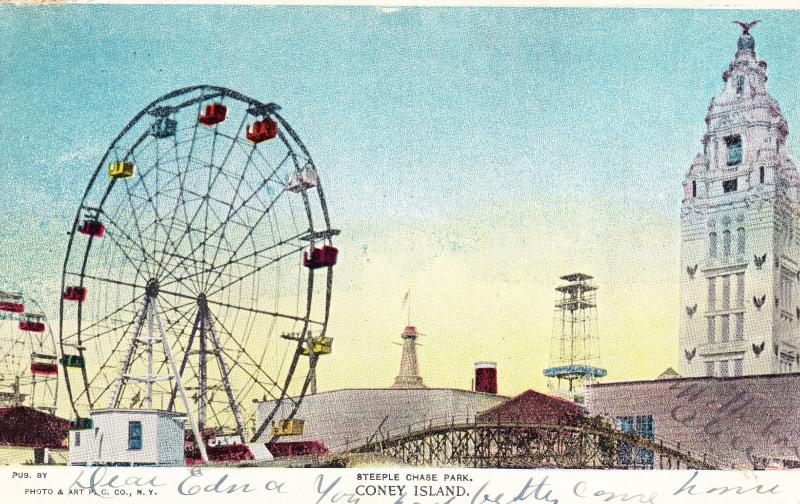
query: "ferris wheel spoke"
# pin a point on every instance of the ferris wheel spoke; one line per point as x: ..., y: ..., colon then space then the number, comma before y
x: 223, y: 224
x: 145, y: 254
x: 282, y: 185
x: 220, y: 231
x: 142, y: 240
x: 159, y: 246
x: 212, y: 177
x: 185, y: 171
x: 241, y: 278
x: 262, y: 312
x: 150, y: 199
x: 90, y: 329
x: 247, y: 236
x: 179, y: 203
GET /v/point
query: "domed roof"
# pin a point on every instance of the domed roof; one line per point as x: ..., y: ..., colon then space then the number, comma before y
x: 746, y: 42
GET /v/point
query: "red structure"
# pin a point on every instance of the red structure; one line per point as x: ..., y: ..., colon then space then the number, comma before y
x: 215, y: 114
x: 75, y: 293
x: 10, y: 306
x: 297, y: 448
x: 533, y: 407
x: 320, y: 257
x: 42, y: 368
x: 92, y: 228
x: 262, y: 130
x: 31, y: 325
x: 486, y: 377
x: 27, y: 427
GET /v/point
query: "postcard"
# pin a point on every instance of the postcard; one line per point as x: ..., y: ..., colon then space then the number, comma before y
x: 404, y: 254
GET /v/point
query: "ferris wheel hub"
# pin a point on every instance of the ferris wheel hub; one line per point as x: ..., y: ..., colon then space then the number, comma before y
x: 152, y: 288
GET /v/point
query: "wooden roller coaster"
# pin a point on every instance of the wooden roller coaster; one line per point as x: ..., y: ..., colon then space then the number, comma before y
x: 591, y: 443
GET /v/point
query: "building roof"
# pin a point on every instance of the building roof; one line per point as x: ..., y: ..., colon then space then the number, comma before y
x: 669, y: 373
x: 343, y: 419
x: 24, y: 426
x: 692, y: 378
x: 534, y: 407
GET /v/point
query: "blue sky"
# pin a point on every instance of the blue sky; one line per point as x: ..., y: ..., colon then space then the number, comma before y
x: 422, y: 110
x: 416, y: 114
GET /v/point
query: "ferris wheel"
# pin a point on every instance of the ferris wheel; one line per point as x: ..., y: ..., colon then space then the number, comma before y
x: 28, y: 355
x: 199, y: 267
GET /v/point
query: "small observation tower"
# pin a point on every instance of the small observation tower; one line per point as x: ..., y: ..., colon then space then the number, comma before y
x: 573, y: 348
x: 409, y: 377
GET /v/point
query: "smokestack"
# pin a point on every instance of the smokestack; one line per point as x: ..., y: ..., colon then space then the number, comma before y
x: 486, y: 377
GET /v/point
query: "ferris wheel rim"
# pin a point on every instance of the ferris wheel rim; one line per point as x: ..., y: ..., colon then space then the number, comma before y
x: 216, y: 92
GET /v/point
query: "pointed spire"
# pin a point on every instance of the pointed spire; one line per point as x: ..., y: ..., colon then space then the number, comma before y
x: 409, y: 377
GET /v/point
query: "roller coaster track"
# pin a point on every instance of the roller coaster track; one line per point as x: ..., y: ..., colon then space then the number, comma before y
x: 589, y: 444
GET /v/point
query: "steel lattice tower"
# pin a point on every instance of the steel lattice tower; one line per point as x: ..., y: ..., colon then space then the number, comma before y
x: 573, y: 349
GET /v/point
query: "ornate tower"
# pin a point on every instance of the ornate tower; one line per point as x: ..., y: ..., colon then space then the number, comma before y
x: 409, y: 377
x: 740, y: 249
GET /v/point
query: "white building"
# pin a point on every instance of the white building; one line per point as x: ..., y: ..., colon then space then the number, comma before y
x: 130, y: 437
x: 345, y: 419
x: 740, y: 254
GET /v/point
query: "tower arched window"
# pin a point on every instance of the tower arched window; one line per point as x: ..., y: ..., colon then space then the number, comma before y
x: 740, y: 85
x: 712, y: 244
x: 761, y: 174
x: 740, y: 241
x: 734, y: 144
x: 726, y: 243
x: 694, y: 188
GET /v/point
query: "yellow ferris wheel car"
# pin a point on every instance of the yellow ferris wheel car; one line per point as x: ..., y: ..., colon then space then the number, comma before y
x: 122, y: 169
x: 293, y: 427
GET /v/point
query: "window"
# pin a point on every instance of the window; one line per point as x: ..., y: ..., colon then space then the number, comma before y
x: 726, y: 292
x: 761, y: 174
x: 740, y: 290
x: 712, y: 293
x: 740, y: 85
x: 711, y: 330
x: 729, y: 185
x: 625, y: 449
x: 694, y: 188
x: 734, y: 144
x: 723, y: 368
x: 77, y: 438
x: 786, y: 290
x: 134, y: 435
x: 726, y: 327
x: 739, y: 326
x: 726, y: 243
x: 740, y: 243
x: 642, y: 426
x: 737, y: 367
x: 710, y: 368
x: 645, y: 428
x: 712, y: 244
